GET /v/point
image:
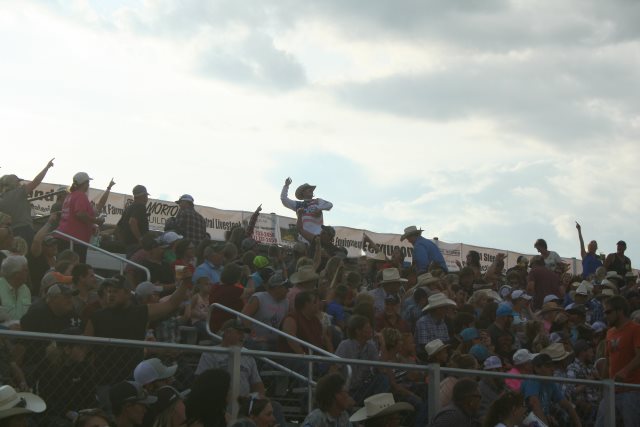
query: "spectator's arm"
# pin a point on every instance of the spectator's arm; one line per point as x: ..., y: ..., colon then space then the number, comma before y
x: 324, y: 205
x: 284, y: 196
x: 531, y: 286
x: 36, y: 244
x: 252, y: 221
x: 567, y: 406
x: 162, y: 310
x: 536, y: 408
x: 583, y: 252
x: 290, y: 327
x: 38, y: 178
x: 250, y: 309
x: 104, y: 197
x: 317, y: 254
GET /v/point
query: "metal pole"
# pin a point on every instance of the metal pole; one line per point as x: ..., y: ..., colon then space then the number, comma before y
x: 234, y: 363
x: 433, y: 390
x: 309, y: 388
x: 609, y: 391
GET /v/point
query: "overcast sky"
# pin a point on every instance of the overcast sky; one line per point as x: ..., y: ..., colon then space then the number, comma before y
x: 491, y: 123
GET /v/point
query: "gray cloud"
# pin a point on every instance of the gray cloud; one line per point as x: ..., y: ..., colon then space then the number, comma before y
x: 254, y: 61
x: 548, y: 96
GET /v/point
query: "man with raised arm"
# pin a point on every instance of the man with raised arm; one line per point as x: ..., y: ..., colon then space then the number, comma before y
x: 312, y: 220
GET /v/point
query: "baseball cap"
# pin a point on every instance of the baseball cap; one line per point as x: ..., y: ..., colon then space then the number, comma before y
x: 185, y: 198
x: 469, y: 334
x: 170, y: 237
x: 575, y: 308
x: 276, y: 280
x: 129, y: 391
x: 260, y: 261
x: 598, y: 326
x: 140, y: 190
x: 480, y: 352
x: 492, y: 362
x: 504, y: 310
x: 518, y: 293
x: 523, y: 356
x: 166, y: 395
x: 81, y: 178
x: 247, y: 244
x: 58, y: 289
x: 550, y: 298
x: 235, y: 324
x: 151, y: 370
x: 541, y: 359
x: 580, y: 346
x: 145, y: 289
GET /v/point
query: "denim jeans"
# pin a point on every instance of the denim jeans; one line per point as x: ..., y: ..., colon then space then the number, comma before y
x: 627, y: 409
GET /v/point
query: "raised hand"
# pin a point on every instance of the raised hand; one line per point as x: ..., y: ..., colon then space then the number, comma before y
x: 288, y: 181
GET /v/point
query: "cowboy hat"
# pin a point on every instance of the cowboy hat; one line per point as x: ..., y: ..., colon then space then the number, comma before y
x: 556, y: 351
x: 13, y: 403
x: 410, y: 231
x: 548, y: 308
x: 613, y: 275
x: 379, y: 405
x: 438, y: 300
x: 391, y: 275
x: 608, y: 284
x: 305, y: 274
x: 427, y: 279
x: 432, y: 347
x: 303, y: 187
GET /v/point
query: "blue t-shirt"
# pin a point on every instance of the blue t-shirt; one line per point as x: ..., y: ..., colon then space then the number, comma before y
x: 590, y: 264
x: 547, y: 393
x: 336, y: 311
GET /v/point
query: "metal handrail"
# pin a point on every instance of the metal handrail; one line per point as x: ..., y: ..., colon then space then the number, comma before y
x: 267, y: 360
x: 97, y: 249
x: 278, y: 332
x: 433, y: 369
x: 310, y: 346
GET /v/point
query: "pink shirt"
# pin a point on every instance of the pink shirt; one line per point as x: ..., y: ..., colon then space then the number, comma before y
x: 513, y: 383
x: 74, y: 203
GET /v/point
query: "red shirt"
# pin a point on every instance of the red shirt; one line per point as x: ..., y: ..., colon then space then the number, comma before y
x: 621, y: 349
x: 75, y: 203
x: 229, y: 296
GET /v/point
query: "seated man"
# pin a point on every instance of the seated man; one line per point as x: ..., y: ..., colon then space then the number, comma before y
x: 365, y: 380
x: 333, y: 403
x: 270, y: 308
x: 541, y: 396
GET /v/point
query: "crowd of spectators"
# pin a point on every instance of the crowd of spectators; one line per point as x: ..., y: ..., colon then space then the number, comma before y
x: 535, y: 318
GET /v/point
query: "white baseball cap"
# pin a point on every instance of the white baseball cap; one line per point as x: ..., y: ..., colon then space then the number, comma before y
x: 518, y: 293
x: 523, y: 356
x: 151, y: 370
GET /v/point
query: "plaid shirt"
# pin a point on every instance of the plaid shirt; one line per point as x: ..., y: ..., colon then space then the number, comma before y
x: 579, y: 370
x: 427, y: 330
x: 191, y: 225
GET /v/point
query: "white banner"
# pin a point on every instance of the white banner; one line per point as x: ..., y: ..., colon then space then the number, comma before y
x: 275, y: 229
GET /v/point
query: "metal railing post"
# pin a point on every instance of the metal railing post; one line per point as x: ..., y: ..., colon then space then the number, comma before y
x: 433, y: 390
x: 609, y: 396
x: 234, y: 363
x: 309, y: 388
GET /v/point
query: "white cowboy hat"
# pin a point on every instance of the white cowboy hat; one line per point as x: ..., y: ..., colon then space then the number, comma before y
x: 379, y: 405
x: 410, y: 231
x: 301, y: 188
x: 391, y: 275
x: 305, y: 274
x: 439, y: 300
x: 13, y: 403
x: 432, y: 347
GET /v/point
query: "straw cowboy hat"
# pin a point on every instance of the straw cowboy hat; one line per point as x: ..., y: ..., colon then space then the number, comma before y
x: 391, y: 275
x: 379, y: 405
x: 439, y: 300
x: 303, y: 187
x: 548, y: 308
x: 410, y: 231
x: 13, y: 403
x: 427, y: 279
x: 305, y: 274
x: 556, y: 351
